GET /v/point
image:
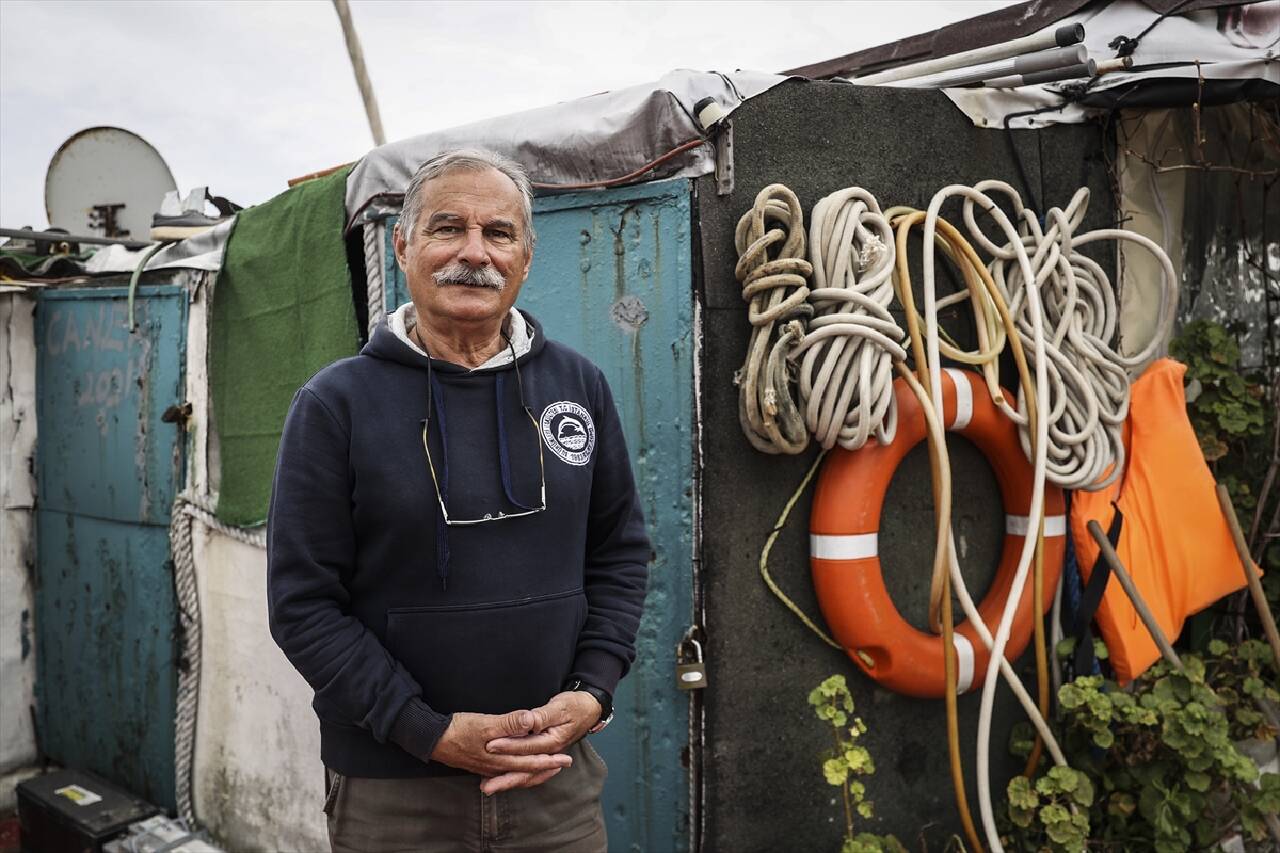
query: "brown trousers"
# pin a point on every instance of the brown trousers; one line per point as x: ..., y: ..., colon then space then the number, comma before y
x: 449, y: 814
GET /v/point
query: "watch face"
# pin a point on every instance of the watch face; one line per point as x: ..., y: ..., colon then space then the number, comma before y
x: 600, y: 725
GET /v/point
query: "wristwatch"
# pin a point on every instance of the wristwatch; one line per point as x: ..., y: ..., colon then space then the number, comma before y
x: 605, y: 700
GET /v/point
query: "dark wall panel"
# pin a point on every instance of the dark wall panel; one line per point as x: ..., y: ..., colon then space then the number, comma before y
x: 764, y: 787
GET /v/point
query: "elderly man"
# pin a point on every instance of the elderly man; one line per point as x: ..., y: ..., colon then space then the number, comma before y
x: 456, y: 552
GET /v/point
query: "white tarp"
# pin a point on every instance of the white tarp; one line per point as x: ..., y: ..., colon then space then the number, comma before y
x: 201, y: 252
x: 580, y: 141
x: 1239, y: 42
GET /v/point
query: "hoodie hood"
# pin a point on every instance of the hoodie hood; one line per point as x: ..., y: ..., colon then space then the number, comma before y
x: 387, y: 345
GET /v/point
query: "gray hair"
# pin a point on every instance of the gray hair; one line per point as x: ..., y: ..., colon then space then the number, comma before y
x: 470, y: 160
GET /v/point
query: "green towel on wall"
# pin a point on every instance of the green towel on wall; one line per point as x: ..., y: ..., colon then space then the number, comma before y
x: 282, y: 309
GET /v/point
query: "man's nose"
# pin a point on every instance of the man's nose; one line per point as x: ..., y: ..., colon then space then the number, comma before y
x: 473, y: 250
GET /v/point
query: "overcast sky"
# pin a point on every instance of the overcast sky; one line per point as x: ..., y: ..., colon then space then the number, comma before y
x: 241, y: 96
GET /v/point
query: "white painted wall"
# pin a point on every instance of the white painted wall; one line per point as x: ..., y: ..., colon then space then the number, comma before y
x: 258, y: 783
x: 17, y: 529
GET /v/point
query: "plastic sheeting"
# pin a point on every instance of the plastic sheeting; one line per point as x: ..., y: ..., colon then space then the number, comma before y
x: 582, y: 141
x: 1227, y: 43
x: 201, y: 252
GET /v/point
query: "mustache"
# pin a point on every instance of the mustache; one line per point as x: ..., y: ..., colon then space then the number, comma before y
x: 469, y: 276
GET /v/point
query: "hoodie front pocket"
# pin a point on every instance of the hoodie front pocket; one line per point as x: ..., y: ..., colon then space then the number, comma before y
x: 489, y: 658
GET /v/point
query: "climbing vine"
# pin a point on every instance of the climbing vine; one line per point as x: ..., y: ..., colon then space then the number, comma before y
x: 847, y: 762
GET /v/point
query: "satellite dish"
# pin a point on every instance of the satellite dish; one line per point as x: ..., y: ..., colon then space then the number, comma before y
x: 106, y: 181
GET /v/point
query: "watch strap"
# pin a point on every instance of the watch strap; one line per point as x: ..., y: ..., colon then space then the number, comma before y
x: 601, y: 696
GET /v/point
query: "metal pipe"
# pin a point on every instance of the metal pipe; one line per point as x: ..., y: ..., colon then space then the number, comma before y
x: 59, y: 237
x: 1063, y: 36
x: 1029, y: 63
x: 1053, y: 75
x: 1109, y: 66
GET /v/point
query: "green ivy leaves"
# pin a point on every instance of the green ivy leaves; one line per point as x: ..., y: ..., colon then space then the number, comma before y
x: 1059, y: 802
x: 1155, y: 767
x: 842, y: 766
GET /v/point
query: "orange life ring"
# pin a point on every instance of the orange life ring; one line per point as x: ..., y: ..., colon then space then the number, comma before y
x: 844, y: 557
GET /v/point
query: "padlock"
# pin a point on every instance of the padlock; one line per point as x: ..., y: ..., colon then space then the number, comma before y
x: 691, y: 676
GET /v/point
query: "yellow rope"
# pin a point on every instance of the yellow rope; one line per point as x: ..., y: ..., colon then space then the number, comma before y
x: 768, y: 546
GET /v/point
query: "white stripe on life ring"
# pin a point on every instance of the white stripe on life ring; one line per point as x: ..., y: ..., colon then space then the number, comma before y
x: 1018, y: 525
x: 964, y: 398
x: 964, y: 662
x: 858, y: 546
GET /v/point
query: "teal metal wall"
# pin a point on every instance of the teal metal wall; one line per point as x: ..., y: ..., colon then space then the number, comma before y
x: 107, y: 468
x: 612, y: 278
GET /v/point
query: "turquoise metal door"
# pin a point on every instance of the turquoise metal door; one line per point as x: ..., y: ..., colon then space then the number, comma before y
x: 612, y: 278
x: 107, y: 469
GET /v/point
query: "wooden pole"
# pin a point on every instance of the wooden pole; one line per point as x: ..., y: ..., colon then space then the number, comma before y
x: 1113, y: 560
x: 362, y: 73
x: 1246, y: 562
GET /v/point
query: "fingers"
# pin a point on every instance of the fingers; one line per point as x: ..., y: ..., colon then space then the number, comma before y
x: 497, y: 765
x: 559, y: 708
x: 516, y: 723
x: 552, y: 740
x: 508, y: 781
x: 521, y: 723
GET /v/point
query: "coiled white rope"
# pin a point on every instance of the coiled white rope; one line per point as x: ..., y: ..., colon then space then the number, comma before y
x: 847, y: 355
x: 1088, y: 377
x: 187, y: 508
x: 773, y: 272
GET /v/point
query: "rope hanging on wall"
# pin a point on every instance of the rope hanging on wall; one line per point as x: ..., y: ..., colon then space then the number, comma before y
x: 773, y: 272
x: 1088, y: 378
x: 846, y: 358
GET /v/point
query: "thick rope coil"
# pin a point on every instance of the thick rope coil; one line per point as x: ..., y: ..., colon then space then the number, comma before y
x: 184, y: 582
x: 376, y: 288
x: 1088, y: 378
x: 846, y: 359
x: 773, y: 272
x: 188, y: 509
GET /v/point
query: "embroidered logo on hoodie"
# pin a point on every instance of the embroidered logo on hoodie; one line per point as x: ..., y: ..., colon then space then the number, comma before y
x: 568, y: 431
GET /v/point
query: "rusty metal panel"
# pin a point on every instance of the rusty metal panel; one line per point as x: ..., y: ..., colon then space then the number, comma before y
x: 107, y: 468
x: 106, y: 674
x: 612, y: 278
x: 102, y: 392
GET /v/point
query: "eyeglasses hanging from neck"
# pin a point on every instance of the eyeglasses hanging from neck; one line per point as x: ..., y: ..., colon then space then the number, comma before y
x: 435, y: 399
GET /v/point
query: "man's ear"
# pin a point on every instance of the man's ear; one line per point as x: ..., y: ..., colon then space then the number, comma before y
x: 399, y: 244
x: 528, y: 262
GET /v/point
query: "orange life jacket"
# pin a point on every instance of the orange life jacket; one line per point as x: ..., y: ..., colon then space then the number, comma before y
x: 1173, y: 541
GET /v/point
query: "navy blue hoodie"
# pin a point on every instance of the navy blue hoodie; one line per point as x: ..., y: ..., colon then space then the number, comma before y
x: 396, y: 620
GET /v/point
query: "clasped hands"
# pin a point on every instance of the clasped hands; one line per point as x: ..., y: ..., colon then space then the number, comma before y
x: 519, y: 749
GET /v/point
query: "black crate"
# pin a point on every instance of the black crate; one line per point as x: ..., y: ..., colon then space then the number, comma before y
x: 87, y: 813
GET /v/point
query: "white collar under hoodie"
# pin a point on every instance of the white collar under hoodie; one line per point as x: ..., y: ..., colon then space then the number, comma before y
x: 404, y: 318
